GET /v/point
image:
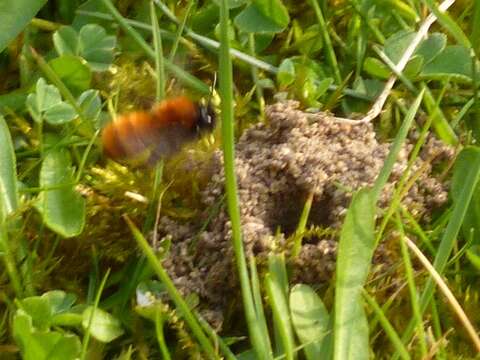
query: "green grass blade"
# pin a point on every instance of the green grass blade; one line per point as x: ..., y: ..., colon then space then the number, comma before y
x: 159, y: 322
x: 475, y: 26
x: 409, y: 272
x: 355, y: 251
x: 86, y: 337
x: 440, y: 123
x: 179, y: 302
x: 180, y: 29
x: 229, y: 355
x: 257, y: 298
x: 159, y: 61
x: 396, y: 147
x: 9, y: 261
x: 281, y: 316
x: 302, y: 224
x: 255, y: 78
x: 330, y: 52
x: 387, y: 327
x: 226, y: 94
x: 276, y: 282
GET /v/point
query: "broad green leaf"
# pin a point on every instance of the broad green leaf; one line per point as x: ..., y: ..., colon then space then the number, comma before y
x: 431, y: 47
x: 14, y: 16
x: 91, y: 105
x: 395, y: 47
x: 263, y: 16
x: 262, y: 41
x: 96, y: 47
x: 46, y: 95
x: 355, y: 251
x: 43, y: 345
x: 8, y: 174
x: 14, y: 100
x: 453, y: 62
x: 396, y: 44
x: 286, y: 73
x: 47, y: 104
x: 92, y: 44
x: 65, y: 41
x: 61, y: 207
x: 313, y: 88
x: 308, y: 41
x: 104, y: 327
x: 368, y: 87
x: 413, y: 67
x: 73, y: 72
x: 323, y: 86
x: 32, y: 107
x: 39, y: 310
x: 376, y: 68
x: 463, y: 165
x: 59, y: 300
x: 273, y: 9
x: 310, y: 319
x: 60, y: 114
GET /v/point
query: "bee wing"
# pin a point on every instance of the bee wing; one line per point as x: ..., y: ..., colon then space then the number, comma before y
x: 169, y: 141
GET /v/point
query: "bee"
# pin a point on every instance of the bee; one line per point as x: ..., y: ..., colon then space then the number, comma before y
x: 158, y: 133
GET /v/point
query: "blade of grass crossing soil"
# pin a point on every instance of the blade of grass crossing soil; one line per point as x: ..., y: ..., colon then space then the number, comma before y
x: 226, y: 94
x: 177, y: 299
x: 257, y: 299
x: 396, y: 147
x: 276, y: 282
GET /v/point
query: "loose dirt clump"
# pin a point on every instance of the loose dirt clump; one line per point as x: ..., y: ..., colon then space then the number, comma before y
x: 278, y: 166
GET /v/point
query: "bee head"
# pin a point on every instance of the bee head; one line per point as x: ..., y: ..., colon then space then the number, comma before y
x: 206, y: 118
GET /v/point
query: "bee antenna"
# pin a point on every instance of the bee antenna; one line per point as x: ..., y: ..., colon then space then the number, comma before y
x: 212, y: 88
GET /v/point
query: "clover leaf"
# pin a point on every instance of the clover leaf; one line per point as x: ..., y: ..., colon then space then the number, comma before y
x: 92, y: 44
x: 46, y: 104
